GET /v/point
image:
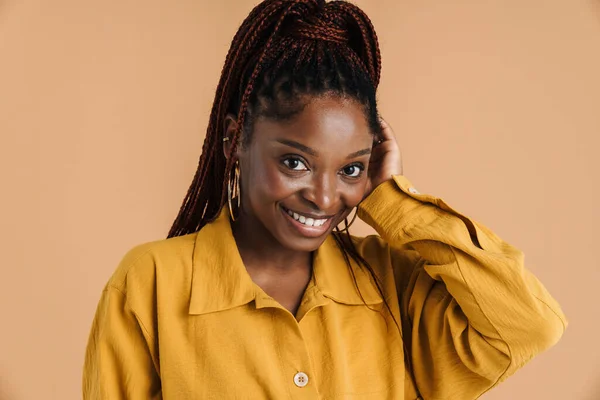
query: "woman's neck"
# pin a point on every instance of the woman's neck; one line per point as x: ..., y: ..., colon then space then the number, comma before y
x: 260, y: 251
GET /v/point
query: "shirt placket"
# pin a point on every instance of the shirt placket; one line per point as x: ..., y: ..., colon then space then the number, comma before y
x: 294, y: 359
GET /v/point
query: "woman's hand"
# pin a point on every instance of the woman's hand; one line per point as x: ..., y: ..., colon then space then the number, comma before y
x: 386, y: 159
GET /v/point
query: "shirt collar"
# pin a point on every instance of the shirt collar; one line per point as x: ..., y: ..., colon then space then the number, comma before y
x: 220, y: 280
x: 336, y: 281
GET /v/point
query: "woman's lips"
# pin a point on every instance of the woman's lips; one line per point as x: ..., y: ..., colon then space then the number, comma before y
x: 302, y: 223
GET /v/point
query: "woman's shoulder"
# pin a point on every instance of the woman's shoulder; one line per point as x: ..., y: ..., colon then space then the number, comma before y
x: 146, y: 262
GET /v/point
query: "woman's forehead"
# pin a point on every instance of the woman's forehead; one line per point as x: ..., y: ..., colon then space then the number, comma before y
x: 322, y: 118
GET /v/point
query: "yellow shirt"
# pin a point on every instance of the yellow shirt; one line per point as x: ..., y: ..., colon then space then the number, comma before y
x: 182, y: 319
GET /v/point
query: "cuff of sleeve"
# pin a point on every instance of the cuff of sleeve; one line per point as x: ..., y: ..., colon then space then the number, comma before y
x: 392, y: 203
x: 398, y: 202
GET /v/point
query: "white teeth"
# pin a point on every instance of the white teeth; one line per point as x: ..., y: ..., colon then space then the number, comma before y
x: 306, y: 221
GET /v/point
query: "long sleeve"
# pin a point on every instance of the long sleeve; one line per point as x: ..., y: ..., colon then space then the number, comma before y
x: 474, y: 313
x: 118, y: 361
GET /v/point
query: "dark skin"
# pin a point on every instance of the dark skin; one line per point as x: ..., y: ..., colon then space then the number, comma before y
x: 319, y: 165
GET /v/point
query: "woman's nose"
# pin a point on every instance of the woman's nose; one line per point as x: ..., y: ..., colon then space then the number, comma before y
x: 322, y: 192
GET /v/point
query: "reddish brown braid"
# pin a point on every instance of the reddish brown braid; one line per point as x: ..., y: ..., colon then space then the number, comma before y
x: 310, y: 25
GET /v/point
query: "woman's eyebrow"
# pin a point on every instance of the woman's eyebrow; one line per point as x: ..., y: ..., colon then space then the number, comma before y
x: 314, y: 153
x: 359, y: 153
x: 298, y: 146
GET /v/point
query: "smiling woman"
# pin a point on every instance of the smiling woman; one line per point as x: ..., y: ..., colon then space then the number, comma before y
x: 261, y: 292
x: 312, y: 167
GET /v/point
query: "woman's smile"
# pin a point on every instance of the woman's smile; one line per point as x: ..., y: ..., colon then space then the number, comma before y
x: 306, y: 224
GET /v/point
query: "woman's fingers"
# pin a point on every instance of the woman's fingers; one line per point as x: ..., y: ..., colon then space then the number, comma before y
x: 386, y: 130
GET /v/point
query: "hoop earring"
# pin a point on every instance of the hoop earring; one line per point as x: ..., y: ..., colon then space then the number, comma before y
x: 351, y: 222
x: 233, y: 189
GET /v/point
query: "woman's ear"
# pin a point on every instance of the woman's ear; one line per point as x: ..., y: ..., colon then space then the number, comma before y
x: 229, y: 128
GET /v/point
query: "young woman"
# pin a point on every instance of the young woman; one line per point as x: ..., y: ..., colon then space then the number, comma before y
x: 260, y: 292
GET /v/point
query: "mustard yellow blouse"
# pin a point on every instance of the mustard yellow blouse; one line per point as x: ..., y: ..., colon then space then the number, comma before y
x: 182, y: 319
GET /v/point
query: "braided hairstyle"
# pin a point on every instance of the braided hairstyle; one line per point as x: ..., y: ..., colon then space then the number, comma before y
x: 284, y: 53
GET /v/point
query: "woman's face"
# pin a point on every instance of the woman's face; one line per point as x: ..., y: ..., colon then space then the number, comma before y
x: 300, y: 178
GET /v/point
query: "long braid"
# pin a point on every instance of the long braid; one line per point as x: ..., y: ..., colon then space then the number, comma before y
x: 200, y: 204
x: 249, y: 90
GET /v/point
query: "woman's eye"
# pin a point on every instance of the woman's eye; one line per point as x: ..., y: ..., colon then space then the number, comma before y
x: 353, y: 171
x: 295, y: 164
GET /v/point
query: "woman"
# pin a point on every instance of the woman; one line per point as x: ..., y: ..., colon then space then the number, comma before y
x: 260, y: 292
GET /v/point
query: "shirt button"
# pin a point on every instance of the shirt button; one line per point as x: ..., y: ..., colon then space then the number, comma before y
x: 413, y: 190
x: 301, y: 379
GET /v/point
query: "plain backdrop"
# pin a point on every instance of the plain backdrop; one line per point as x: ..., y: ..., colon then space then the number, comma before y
x: 104, y: 106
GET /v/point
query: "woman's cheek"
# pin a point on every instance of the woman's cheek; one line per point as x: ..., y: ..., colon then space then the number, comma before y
x: 354, y: 193
x: 276, y: 184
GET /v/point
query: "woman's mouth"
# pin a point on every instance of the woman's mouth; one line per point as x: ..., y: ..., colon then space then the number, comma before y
x: 308, y: 226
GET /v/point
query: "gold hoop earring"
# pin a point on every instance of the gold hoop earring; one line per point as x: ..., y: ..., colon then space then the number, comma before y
x: 351, y: 222
x: 233, y: 189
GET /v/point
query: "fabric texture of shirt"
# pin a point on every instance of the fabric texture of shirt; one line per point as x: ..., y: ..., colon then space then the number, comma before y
x: 181, y: 318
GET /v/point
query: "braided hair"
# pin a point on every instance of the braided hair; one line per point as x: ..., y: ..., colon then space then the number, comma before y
x: 285, y: 52
x: 283, y: 49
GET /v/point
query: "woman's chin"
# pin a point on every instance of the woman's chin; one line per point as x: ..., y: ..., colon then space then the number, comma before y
x: 303, y: 244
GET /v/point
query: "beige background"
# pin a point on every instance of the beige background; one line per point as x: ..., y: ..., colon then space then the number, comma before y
x: 103, y: 108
